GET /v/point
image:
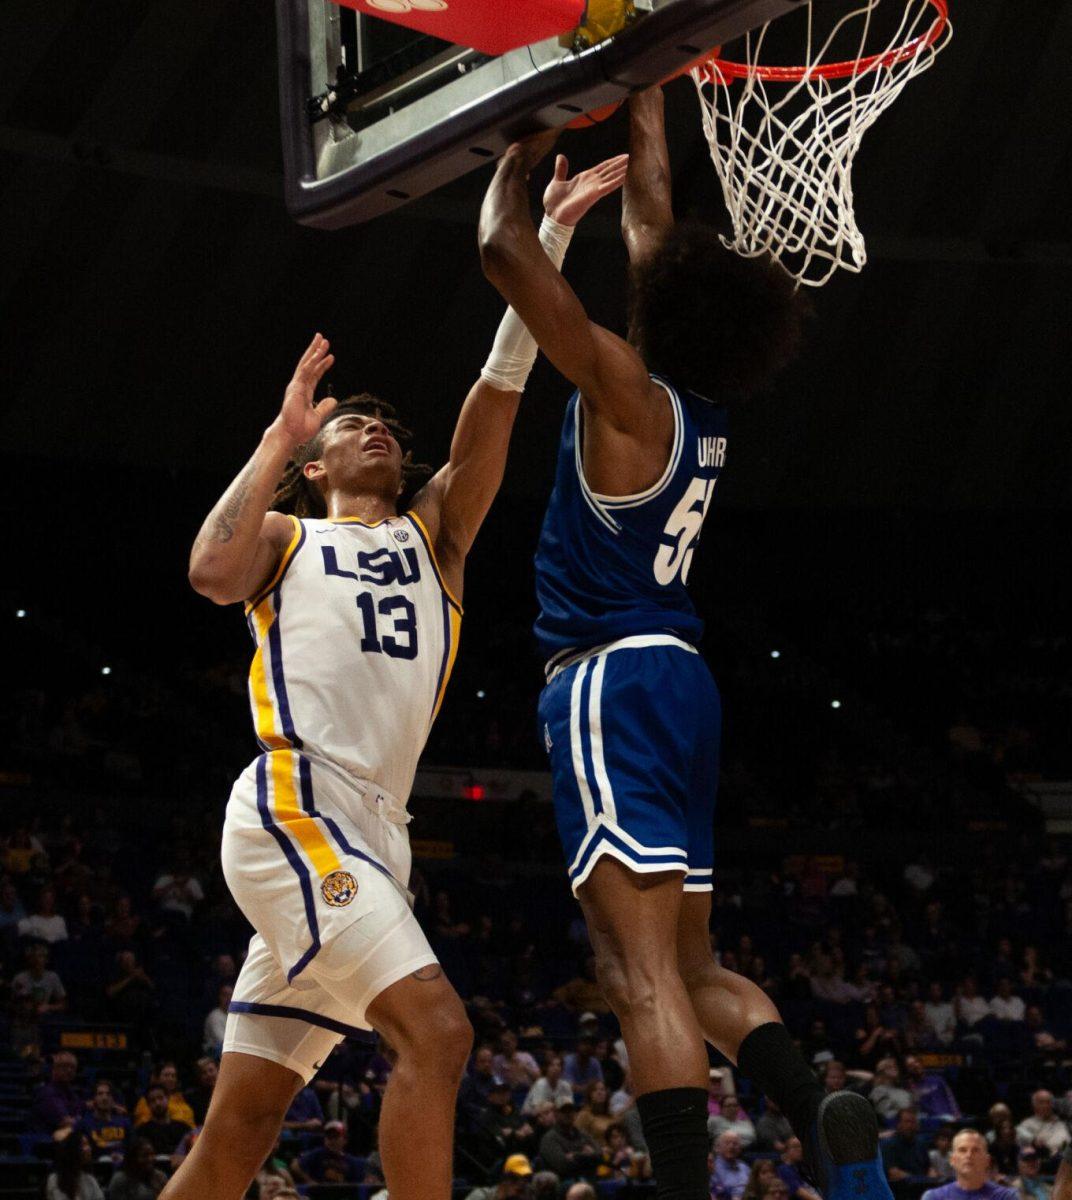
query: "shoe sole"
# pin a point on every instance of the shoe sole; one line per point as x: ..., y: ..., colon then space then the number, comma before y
x: 848, y: 1129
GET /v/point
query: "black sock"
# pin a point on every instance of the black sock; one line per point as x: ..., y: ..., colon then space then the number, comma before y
x: 675, y: 1128
x: 769, y: 1058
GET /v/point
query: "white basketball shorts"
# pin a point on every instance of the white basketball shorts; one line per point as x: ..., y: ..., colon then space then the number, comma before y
x: 320, y: 874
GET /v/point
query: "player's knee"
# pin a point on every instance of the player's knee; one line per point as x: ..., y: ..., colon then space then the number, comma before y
x: 631, y: 983
x: 454, y: 1041
x: 247, y: 1133
x: 442, y: 1040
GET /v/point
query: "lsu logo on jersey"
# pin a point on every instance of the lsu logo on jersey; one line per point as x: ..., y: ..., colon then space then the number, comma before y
x: 338, y: 889
x: 382, y: 567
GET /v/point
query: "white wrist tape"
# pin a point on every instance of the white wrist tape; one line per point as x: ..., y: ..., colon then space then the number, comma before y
x: 514, y: 349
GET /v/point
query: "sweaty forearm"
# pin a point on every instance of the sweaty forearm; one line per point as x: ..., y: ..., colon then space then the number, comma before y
x: 646, y: 203
x: 226, y: 544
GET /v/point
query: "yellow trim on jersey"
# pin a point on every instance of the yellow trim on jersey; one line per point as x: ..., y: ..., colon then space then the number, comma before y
x: 288, y: 813
x: 265, y: 717
x: 435, y: 561
x: 284, y: 562
x: 455, y: 639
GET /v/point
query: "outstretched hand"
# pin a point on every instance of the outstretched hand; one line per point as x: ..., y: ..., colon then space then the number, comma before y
x: 299, y: 417
x: 566, y: 200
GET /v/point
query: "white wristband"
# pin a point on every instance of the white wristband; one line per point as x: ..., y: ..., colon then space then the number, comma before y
x: 514, y: 349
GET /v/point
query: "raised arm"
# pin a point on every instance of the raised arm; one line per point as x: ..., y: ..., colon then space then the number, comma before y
x: 647, y: 212
x: 240, y: 542
x: 606, y: 368
x: 455, y: 502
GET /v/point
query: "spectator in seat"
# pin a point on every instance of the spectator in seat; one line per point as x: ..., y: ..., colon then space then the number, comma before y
x: 1006, y: 1006
x: 199, y: 1097
x: 773, y: 1130
x: 731, y: 1117
x: 502, y: 1130
x: 177, y: 891
x: 1005, y: 1149
x: 543, y: 1186
x: 887, y: 1095
x: 763, y: 1170
x: 1044, y: 1129
x: 130, y: 991
x: 904, y: 1155
x: 71, y: 1179
x: 580, y: 1191
x: 621, y: 1160
x: 216, y: 1021
x: 835, y: 1077
x: 161, y: 1130
x: 567, y: 1151
x: 609, y: 1063
x: 719, y: 1083
x: 581, y: 1068
x: 775, y: 1189
x: 58, y: 1104
x: 730, y: 1175
x: 938, y: 1013
x: 37, y: 992
x: 550, y: 1088
x: 1029, y: 1182
x: 514, y: 1184
x: 329, y: 1162
x: 941, y: 1167
x: 11, y: 907
x: 105, y: 1124
x: 968, y: 1006
x: 996, y: 1114
x: 476, y: 1086
x: 971, y: 1168
x: 931, y: 1094
x: 139, y: 1178
x: 274, y: 1175
x: 167, y: 1075
x: 123, y: 929
x: 543, y: 1118
x: 305, y: 1114
x: 875, y: 1041
x: 44, y: 923
x: 1046, y: 1043
x: 517, y: 1067
x: 595, y: 1117
x: 788, y: 1169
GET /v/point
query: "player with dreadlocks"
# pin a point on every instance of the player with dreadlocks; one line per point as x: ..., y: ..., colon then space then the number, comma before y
x: 355, y: 607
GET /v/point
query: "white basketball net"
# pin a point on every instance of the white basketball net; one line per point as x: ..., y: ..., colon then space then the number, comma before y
x: 784, y: 149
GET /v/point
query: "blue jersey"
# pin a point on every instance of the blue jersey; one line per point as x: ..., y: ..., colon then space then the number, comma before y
x: 609, y: 567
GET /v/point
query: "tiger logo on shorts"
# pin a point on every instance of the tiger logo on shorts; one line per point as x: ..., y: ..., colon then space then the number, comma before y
x: 339, y: 888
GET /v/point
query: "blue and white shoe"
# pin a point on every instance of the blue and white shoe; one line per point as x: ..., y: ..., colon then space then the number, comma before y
x: 843, y: 1159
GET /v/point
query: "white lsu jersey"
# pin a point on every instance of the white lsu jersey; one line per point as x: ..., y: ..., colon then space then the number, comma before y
x: 356, y: 636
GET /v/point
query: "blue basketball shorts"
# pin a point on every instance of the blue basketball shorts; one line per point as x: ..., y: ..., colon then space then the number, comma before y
x: 632, y: 730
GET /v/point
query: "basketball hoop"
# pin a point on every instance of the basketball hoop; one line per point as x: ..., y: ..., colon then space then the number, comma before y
x: 784, y: 144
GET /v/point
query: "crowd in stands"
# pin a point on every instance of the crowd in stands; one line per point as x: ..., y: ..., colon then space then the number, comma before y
x: 938, y: 982
x: 926, y: 988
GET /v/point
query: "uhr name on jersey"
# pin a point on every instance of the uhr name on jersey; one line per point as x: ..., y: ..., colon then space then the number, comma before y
x: 711, y: 451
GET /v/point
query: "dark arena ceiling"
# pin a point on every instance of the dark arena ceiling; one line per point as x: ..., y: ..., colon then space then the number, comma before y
x: 154, y: 294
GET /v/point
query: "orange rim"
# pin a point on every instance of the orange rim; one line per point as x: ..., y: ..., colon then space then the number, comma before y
x: 839, y: 70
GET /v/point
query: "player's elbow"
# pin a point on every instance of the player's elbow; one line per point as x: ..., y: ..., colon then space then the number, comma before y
x: 499, y: 251
x: 211, y: 585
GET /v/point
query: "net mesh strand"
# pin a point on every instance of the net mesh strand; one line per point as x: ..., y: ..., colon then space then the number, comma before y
x: 784, y: 150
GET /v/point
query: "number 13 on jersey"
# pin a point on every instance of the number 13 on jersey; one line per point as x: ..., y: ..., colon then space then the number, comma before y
x: 682, y: 532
